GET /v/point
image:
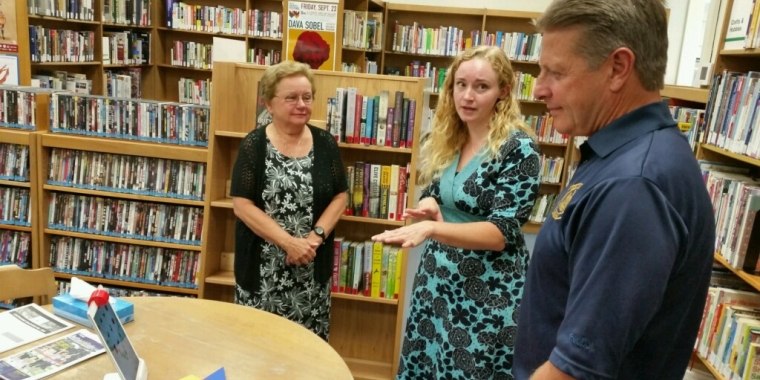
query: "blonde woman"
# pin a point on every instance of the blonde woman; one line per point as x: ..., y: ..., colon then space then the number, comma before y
x: 480, y: 171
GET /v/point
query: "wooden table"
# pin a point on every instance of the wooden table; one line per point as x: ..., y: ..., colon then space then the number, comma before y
x: 183, y: 336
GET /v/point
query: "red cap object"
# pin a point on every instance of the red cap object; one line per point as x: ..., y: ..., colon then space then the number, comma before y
x: 99, y: 296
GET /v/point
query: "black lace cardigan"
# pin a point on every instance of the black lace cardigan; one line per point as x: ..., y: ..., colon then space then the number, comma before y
x: 248, y: 182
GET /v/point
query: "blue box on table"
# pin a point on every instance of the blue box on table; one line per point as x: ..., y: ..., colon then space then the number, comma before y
x: 75, y: 310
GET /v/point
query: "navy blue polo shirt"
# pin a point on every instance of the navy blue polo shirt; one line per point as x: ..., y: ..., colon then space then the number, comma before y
x: 619, y: 274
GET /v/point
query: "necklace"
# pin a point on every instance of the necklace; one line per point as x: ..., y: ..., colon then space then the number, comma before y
x: 287, y: 146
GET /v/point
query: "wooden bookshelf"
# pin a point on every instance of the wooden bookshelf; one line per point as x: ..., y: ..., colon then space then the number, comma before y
x: 29, y: 138
x: 707, y: 365
x: 750, y: 279
x: 692, y: 94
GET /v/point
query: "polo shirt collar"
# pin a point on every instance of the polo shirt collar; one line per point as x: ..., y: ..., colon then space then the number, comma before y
x: 628, y: 127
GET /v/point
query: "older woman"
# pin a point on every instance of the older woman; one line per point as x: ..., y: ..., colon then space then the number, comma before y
x: 288, y: 192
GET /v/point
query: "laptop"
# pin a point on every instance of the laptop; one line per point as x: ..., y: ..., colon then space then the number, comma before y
x: 128, y: 365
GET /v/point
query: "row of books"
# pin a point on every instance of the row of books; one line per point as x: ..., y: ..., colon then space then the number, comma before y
x: 543, y: 125
x: 61, y: 45
x: 62, y: 80
x: 377, y: 191
x: 518, y: 46
x: 551, y: 169
x: 123, y: 83
x: 204, y: 18
x: 195, y: 91
x: 444, y: 40
x: 132, y: 119
x: 735, y: 197
x: 127, y: 12
x: 690, y: 121
x: 64, y: 287
x: 139, y: 175
x: 363, y: 30
x: 371, y: 269
x: 525, y: 83
x: 729, y: 334
x: 542, y: 207
x: 264, y: 57
x: 15, y: 247
x: 221, y: 19
x: 72, y: 9
x: 371, y: 120
x: 126, y: 48
x: 14, y: 162
x: 370, y: 67
x: 191, y: 54
x: 125, y: 262
x: 125, y: 218
x: 732, y: 113
x: 18, y: 106
x: 419, y: 70
x: 15, y: 206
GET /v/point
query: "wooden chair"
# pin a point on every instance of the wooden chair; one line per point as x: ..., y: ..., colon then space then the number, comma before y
x: 21, y: 283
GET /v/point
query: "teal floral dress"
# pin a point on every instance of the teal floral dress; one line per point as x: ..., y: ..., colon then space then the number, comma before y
x: 464, y: 304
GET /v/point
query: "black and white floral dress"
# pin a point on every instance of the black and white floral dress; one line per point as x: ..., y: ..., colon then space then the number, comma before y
x: 288, y: 290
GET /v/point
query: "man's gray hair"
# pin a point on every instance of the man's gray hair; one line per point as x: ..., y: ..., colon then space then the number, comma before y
x: 606, y: 25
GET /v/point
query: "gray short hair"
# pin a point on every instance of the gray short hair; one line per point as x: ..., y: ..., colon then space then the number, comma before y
x: 640, y: 25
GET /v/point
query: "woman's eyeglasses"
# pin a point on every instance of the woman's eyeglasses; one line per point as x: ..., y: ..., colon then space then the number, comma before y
x: 293, y: 98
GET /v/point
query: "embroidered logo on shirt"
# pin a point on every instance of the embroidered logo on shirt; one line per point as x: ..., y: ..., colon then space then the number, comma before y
x: 562, y: 204
x: 581, y: 342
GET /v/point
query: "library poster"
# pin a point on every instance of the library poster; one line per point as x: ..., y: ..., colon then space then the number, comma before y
x: 312, y: 34
x: 8, y: 32
x: 9, y: 69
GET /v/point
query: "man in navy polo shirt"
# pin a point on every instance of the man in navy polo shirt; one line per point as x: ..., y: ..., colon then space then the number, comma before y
x: 619, y: 274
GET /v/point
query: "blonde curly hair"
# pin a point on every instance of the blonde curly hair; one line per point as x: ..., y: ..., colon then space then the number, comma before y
x: 449, y: 134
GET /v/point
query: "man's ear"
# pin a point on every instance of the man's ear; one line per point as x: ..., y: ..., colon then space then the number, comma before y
x: 622, y: 62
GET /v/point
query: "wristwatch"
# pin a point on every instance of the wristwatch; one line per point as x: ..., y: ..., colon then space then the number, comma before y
x: 320, y: 232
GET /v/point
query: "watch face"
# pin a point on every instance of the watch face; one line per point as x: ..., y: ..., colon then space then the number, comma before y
x: 319, y: 231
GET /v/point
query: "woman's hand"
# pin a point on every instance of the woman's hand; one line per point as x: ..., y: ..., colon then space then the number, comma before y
x: 407, y: 236
x: 427, y: 208
x: 300, y: 251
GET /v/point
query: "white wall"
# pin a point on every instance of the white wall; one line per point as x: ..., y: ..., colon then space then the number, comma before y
x: 678, y: 10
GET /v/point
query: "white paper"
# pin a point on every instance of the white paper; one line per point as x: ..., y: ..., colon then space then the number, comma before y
x: 228, y: 50
x: 26, y: 324
x: 51, y: 357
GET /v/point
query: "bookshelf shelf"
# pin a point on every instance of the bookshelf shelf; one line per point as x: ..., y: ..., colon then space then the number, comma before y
x: 552, y: 144
x: 225, y: 277
x: 167, y: 66
x: 4, y: 182
x: 188, y: 31
x: 129, y: 284
x: 354, y: 297
x: 735, y: 156
x: 359, y: 219
x: 237, y: 135
x: 393, y: 52
x: 746, y: 52
x: 262, y: 38
x: 438, y: 10
x: 109, y: 66
x: 531, y: 227
x: 113, y: 194
x: 532, y: 102
x: 375, y: 148
x: 349, y: 48
x: 222, y: 203
x: 368, y: 369
x: 14, y: 136
x: 748, y: 278
x: 707, y: 365
x: 692, y: 94
x: 551, y: 184
x: 126, y: 26
x: 516, y: 62
x: 149, y: 243
x: 117, y: 146
x: 60, y: 19
x: 87, y: 63
x: 13, y: 227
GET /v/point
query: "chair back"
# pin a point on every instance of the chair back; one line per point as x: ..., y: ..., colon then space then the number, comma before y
x: 21, y: 283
